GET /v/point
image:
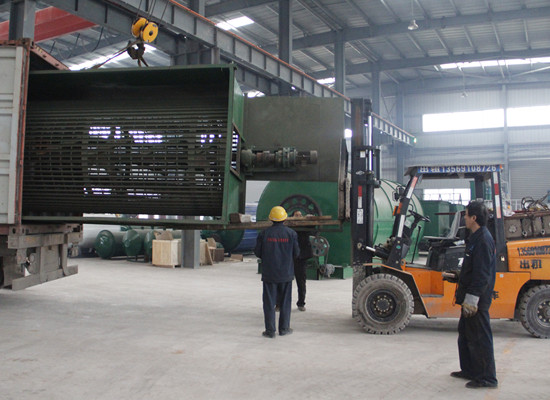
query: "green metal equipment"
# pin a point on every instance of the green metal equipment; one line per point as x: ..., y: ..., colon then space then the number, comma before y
x: 321, y: 198
x: 134, y: 141
x: 108, y: 244
x: 133, y: 240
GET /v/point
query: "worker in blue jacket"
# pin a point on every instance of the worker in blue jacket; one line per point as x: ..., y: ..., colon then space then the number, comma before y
x: 475, y: 293
x: 277, y: 246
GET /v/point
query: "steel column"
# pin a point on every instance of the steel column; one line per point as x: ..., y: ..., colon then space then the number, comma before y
x: 285, y: 30
x: 22, y: 13
x: 340, y: 63
x: 198, y: 6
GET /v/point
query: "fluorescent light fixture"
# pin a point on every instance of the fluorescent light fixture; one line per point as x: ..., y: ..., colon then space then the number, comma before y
x: 326, y: 81
x: 496, y: 63
x: 234, y: 23
x: 413, y: 26
x: 347, y: 133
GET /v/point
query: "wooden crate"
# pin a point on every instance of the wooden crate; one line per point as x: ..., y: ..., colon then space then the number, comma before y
x: 218, y: 255
x: 167, y: 253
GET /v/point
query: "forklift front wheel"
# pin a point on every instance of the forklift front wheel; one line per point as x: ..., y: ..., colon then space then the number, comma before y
x: 382, y: 304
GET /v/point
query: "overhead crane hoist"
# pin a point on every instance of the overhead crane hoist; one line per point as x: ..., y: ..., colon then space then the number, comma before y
x: 145, y: 32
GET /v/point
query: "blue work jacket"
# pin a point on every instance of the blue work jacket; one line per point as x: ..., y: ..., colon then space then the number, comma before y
x: 477, y: 275
x: 277, y: 246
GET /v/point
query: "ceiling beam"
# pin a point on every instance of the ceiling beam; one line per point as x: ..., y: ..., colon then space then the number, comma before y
x: 457, y: 84
x: 368, y: 32
x: 362, y: 68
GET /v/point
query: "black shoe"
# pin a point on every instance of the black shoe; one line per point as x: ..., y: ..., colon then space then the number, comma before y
x: 301, y: 308
x: 286, y: 332
x: 270, y: 335
x: 461, y: 375
x: 481, y: 385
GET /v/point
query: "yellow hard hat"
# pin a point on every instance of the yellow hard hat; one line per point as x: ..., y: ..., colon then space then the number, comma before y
x: 278, y: 214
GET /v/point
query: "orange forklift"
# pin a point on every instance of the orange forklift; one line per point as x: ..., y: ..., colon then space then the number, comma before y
x: 387, y: 290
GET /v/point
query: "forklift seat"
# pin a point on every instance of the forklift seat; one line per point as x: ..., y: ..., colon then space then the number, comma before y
x: 457, y: 231
x: 445, y: 253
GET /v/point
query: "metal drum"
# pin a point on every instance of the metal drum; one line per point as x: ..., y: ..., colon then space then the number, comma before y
x: 323, y: 197
x: 108, y: 244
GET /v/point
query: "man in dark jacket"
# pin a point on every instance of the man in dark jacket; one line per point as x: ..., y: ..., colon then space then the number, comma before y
x: 475, y: 292
x: 300, y: 264
x: 277, y: 246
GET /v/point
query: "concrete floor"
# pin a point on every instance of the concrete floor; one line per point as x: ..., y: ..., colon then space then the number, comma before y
x: 124, y: 330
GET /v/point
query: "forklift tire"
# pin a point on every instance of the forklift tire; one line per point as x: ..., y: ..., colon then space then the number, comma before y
x: 534, y: 311
x: 382, y: 304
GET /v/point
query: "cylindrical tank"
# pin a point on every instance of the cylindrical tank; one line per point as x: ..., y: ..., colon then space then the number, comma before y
x: 109, y: 244
x: 132, y: 241
x: 324, y: 195
x: 150, y: 236
x: 238, y: 241
x: 89, y: 234
x: 229, y: 239
x: 248, y: 241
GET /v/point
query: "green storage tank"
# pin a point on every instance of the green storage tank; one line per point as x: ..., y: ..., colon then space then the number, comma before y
x: 132, y: 241
x: 108, y: 244
x: 315, y: 197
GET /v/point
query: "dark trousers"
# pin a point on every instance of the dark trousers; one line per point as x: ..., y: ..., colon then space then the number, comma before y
x: 300, y: 275
x: 274, y: 293
x: 475, y: 347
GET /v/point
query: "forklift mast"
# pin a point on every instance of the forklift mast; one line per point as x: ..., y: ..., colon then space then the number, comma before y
x: 365, y: 177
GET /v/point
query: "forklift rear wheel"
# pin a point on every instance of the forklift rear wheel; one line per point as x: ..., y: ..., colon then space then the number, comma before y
x: 382, y: 304
x: 534, y: 311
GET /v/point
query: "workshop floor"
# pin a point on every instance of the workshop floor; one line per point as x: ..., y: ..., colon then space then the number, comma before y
x: 125, y: 330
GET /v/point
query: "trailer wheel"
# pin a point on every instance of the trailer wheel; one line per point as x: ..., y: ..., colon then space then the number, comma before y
x: 382, y: 304
x: 534, y: 311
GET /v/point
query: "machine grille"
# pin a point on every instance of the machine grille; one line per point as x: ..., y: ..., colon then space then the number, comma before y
x: 163, y: 156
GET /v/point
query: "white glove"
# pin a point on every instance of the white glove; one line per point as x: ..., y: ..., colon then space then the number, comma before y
x: 469, y: 305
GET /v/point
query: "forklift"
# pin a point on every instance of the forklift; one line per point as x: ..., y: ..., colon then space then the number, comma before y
x: 387, y: 290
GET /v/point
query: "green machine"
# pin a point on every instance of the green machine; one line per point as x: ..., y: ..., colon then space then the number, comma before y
x: 321, y: 198
x: 152, y: 141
